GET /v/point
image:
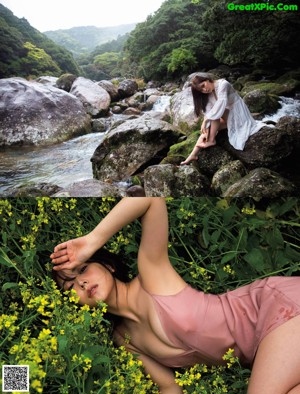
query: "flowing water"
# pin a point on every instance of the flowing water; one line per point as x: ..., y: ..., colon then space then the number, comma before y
x: 289, y: 106
x: 67, y: 162
x: 59, y: 164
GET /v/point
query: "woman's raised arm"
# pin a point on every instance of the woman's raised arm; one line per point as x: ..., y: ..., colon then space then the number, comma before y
x: 70, y: 254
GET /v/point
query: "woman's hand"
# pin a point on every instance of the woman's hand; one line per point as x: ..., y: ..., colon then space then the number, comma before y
x: 68, y: 255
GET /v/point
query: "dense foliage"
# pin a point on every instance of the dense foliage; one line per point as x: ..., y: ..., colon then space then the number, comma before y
x: 24, y: 51
x: 183, y: 33
x: 215, y: 245
x: 181, y: 37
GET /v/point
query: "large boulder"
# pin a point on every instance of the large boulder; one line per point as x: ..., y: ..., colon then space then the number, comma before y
x: 266, y: 148
x: 35, y: 114
x: 261, y: 183
x: 259, y: 101
x: 166, y: 180
x: 111, y: 89
x: 182, y: 110
x: 95, y: 99
x: 65, y: 82
x: 127, y: 88
x: 227, y: 176
x: 132, y: 146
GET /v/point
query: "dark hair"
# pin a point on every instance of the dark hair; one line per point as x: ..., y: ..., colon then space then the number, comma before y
x: 107, y: 259
x: 200, y: 99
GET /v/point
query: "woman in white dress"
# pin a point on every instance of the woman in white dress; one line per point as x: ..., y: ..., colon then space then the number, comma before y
x: 222, y: 108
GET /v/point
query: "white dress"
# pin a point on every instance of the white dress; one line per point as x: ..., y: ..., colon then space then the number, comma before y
x: 240, y: 124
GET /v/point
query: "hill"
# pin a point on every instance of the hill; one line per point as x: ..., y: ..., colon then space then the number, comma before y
x: 26, y: 52
x: 84, y: 39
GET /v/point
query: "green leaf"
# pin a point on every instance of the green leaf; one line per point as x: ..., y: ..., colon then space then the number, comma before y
x: 62, y: 343
x: 9, y: 285
x: 255, y: 259
x: 228, y: 256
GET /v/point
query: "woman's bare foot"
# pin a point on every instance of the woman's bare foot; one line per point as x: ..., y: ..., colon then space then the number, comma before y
x: 189, y: 159
x: 207, y: 144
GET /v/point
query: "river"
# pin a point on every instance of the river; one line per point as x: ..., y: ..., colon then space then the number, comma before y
x: 67, y: 162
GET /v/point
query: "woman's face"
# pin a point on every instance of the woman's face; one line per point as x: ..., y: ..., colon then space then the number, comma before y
x: 92, y: 282
x: 205, y: 87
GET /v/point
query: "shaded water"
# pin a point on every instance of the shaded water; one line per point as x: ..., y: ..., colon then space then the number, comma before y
x: 59, y: 164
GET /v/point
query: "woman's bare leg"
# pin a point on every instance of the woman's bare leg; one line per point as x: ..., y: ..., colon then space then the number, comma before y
x: 276, y: 368
x: 194, y: 154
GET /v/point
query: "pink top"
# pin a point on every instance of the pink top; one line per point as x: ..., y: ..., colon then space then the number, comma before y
x: 207, y: 325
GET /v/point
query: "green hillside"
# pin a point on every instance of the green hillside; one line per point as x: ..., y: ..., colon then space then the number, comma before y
x: 26, y: 52
x: 81, y: 40
x: 184, y: 35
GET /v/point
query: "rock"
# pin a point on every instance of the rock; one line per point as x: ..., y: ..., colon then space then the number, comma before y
x: 47, y: 80
x: 135, y: 100
x: 261, y: 102
x: 266, y: 148
x: 95, y: 99
x: 127, y: 88
x: 227, y: 176
x: 274, y: 88
x: 169, y: 180
x: 91, y: 188
x: 131, y: 146
x: 65, y: 82
x: 101, y: 125
x: 151, y: 100
x: 35, y: 114
x: 135, y: 191
x: 291, y: 126
x: 182, y: 111
x: 132, y: 111
x: 151, y: 92
x: 261, y: 183
x: 111, y: 89
x: 33, y: 190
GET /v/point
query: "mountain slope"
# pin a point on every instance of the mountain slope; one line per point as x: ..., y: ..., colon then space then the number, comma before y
x: 80, y: 40
x: 26, y: 52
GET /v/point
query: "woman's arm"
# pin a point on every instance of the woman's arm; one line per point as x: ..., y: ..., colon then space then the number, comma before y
x: 154, y: 241
x: 218, y: 109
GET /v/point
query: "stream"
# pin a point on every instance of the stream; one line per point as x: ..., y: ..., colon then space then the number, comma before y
x: 64, y: 163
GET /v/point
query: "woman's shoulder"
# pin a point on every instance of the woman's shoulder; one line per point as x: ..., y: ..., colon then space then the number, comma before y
x: 222, y: 82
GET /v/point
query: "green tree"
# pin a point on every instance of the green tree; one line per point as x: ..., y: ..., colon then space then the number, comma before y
x: 181, y: 61
x: 38, y: 61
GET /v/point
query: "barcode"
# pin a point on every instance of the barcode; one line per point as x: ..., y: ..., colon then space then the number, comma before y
x: 15, y: 378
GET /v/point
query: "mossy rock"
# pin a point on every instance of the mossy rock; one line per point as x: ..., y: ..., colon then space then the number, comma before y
x: 181, y: 150
x: 274, y: 88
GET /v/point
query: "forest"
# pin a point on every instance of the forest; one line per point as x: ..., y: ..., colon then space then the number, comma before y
x: 180, y: 37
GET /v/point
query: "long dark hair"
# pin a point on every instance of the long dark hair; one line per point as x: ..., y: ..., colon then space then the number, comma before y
x: 200, y: 99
